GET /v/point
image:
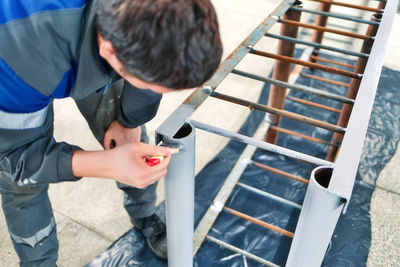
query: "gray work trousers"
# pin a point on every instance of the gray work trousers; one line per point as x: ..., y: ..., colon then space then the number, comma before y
x: 28, y: 210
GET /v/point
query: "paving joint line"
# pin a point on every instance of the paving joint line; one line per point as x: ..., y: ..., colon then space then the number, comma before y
x: 388, y: 190
x: 85, y: 226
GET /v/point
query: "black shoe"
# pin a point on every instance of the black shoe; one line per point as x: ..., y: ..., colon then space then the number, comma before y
x: 155, y: 232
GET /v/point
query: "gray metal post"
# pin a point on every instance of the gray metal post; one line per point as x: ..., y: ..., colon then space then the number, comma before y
x: 318, y: 218
x: 179, y: 198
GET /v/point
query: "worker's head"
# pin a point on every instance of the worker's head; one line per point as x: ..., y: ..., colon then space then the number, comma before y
x: 160, y: 44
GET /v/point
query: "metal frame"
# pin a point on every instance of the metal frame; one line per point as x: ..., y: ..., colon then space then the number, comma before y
x: 330, y: 185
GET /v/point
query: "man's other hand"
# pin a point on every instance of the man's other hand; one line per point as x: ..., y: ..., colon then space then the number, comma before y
x: 120, y: 135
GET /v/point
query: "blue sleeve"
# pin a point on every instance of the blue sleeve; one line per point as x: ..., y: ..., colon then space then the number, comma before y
x: 29, y: 154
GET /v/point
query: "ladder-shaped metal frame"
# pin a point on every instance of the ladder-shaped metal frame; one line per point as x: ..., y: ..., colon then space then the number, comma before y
x: 331, y: 183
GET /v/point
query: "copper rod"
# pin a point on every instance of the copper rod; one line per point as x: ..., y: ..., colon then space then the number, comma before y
x: 259, y: 222
x: 366, y: 8
x: 307, y: 64
x: 281, y: 72
x: 303, y: 136
x: 320, y: 21
x: 279, y: 112
x: 353, y: 88
x: 279, y: 172
x: 325, y: 29
x: 324, y: 79
x: 313, y: 104
x: 332, y: 61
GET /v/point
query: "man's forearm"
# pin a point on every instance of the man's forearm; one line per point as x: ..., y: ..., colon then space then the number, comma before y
x: 126, y: 164
x: 92, y: 164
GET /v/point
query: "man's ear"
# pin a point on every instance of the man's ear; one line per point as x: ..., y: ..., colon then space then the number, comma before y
x: 106, y: 49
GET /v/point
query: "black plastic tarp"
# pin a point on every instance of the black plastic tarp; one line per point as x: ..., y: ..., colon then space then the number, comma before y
x: 352, y: 237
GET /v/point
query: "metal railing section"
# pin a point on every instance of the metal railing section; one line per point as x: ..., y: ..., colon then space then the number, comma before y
x: 330, y: 185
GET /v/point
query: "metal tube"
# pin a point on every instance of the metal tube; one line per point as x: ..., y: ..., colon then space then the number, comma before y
x: 320, y: 21
x: 230, y: 182
x: 366, y: 8
x: 286, y: 131
x: 316, y: 45
x: 318, y: 218
x: 260, y: 144
x: 336, y: 15
x: 281, y: 72
x: 353, y: 90
x: 325, y: 29
x: 313, y: 104
x: 179, y: 198
x: 324, y: 79
x: 259, y: 222
x: 241, y: 251
x: 308, y: 64
x: 279, y: 172
x: 280, y: 112
x: 299, y: 87
x: 271, y: 196
x: 333, y: 62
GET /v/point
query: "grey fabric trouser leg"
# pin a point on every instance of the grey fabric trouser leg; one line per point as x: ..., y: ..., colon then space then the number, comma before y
x: 100, y: 110
x: 30, y: 222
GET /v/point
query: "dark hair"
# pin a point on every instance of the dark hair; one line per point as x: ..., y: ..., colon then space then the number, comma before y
x: 173, y: 43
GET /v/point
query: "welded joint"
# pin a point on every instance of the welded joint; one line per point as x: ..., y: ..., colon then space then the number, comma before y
x: 251, y: 48
x: 276, y: 18
x: 217, y: 206
x: 247, y: 161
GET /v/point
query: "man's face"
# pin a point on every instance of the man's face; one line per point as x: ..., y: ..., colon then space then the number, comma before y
x: 106, y: 51
x: 144, y: 85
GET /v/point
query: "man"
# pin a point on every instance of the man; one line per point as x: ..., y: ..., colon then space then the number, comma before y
x: 82, y: 48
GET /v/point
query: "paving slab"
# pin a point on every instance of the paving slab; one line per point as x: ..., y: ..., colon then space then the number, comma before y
x: 385, y: 229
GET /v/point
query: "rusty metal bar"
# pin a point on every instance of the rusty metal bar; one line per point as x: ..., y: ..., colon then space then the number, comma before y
x: 320, y: 21
x: 318, y: 58
x: 286, y: 131
x: 259, y: 222
x: 326, y: 29
x: 313, y: 104
x: 307, y: 64
x: 279, y: 172
x: 281, y: 71
x: 336, y: 15
x: 353, y: 88
x: 241, y: 251
x: 280, y: 112
x: 366, y: 8
x: 324, y: 79
x: 298, y: 87
x: 316, y: 45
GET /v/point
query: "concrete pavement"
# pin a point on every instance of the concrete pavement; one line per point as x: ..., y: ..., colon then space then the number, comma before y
x: 89, y: 213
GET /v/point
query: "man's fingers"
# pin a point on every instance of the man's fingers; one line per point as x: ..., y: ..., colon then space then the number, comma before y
x: 107, y: 142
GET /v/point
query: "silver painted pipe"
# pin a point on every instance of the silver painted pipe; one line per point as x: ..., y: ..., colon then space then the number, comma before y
x: 260, y: 144
x: 299, y: 87
x: 335, y: 15
x: 316, y: 45
x: 317, y: 221
x: 179, y: 198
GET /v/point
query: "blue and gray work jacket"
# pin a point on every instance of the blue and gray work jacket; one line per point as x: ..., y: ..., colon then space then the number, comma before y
x: 48, y: 50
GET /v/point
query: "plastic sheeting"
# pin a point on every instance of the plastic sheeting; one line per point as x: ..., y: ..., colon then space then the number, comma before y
x: 351, y: 240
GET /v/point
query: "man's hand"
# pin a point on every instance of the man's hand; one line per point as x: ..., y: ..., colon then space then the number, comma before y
x: 120, y: 135
x: 126, y: 164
